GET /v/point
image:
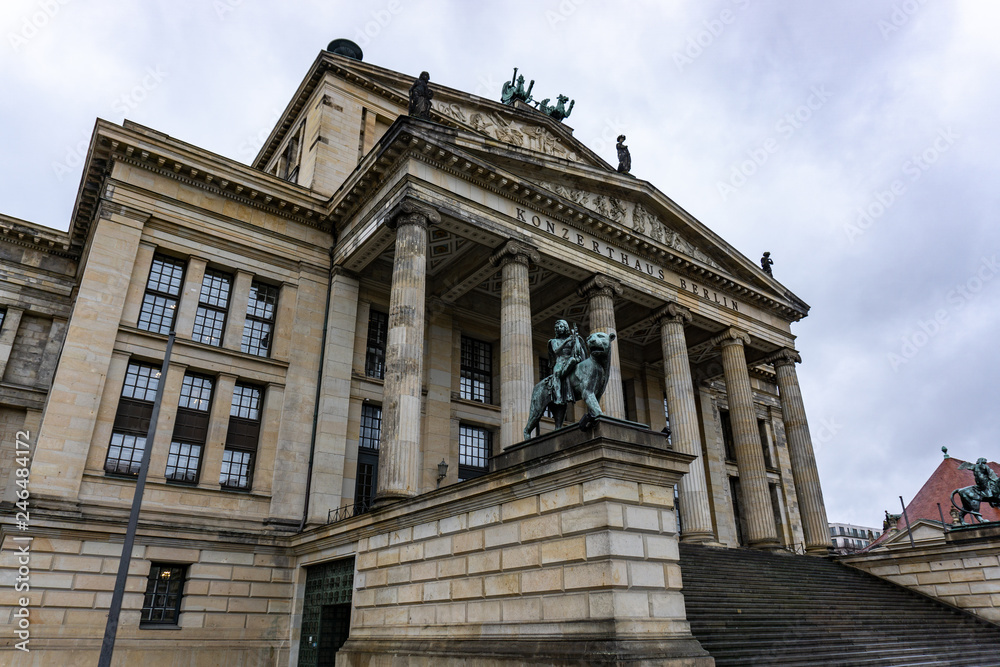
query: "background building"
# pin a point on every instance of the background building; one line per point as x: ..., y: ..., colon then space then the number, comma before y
x: 360, y: 316
x: 847, y: 537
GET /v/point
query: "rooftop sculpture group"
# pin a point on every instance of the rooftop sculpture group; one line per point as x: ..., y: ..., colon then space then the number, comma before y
x: 513, y: 91
x: 579, y: 372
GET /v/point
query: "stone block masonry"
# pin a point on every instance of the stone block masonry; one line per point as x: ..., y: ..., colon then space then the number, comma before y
x: 566, y: 554
x: 964, y: 571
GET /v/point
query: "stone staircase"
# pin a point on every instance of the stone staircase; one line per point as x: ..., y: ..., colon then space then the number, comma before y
x: 756, y: 608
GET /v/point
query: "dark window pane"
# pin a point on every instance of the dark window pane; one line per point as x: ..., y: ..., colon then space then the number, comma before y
x: 474, y: 446
x: 236, y: 467
x: 125, y: 454
x: 476, y: 371
x: 166, y: 276
x: 182, y: 462
x: 209, y: 326
x: 246, y: 402
x: 262, y: 301
x: 256, y: 338
x: 164, y: 588
x: 160, y: 301
x: 371, y: 426
x: 378, y: 328
x: 215, y: 289
x: 157, y: 314
x: 141, y: 382
x: 196, y: 392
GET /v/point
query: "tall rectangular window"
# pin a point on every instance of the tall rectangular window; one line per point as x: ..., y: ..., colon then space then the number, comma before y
x: 474, y: 447
x: 210, y: 320
x: 378, y: 329
x: 765, y: 444
x: 3, y: 316
x: 476, y: 370
x: 135, y: 408
x: 161, y: 605
x: 366, y: 481
x: 727, y: 435
x: 242, y: 437
x: 259, y: 326
x: 190, y: 430
x: 163, y: 288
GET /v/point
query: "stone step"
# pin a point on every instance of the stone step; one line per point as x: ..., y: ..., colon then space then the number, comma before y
x: 757, y: 608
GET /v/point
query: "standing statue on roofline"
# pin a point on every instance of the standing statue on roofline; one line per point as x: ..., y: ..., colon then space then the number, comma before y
x: 766, y: 262
x: 624, y: 157
x: 420, y: 97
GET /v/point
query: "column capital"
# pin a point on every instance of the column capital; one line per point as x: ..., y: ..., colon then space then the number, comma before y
x: 600, y: 285
x: 784, y: 357
x: 731, y: 336
x: 673, y: 312
x: 515, y: 251
x: 411, y: 212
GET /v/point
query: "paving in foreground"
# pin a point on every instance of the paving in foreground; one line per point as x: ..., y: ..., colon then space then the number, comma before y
x: 754, y: 608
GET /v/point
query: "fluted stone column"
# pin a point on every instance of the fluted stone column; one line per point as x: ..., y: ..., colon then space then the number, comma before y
x: 600, y: 291
x: 696, y: 519
x: 399, y: 446
x: 800, y: 449
x: 756, y: 498
x: 516, y: 356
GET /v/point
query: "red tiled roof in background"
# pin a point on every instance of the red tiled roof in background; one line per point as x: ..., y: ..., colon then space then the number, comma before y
x: 938, y: 489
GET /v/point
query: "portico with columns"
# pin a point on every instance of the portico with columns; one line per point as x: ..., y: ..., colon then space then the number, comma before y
x: 501, y: 267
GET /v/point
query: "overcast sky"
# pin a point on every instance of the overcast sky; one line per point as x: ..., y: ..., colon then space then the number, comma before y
x: 855, y: 140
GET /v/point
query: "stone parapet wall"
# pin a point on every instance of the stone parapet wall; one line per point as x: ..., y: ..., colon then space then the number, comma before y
x: 962, y: 574
x: 564, y: 557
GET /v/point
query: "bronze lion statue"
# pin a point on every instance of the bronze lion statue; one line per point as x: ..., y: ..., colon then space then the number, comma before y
x: 587, y: 378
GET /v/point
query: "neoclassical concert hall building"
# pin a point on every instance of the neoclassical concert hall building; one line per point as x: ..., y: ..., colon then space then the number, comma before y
x: 338, y: 469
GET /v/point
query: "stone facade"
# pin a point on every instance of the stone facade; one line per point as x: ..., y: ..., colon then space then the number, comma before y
x: 357, y: 333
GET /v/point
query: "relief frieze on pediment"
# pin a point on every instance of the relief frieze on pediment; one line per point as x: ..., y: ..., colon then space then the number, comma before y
x: 632, y: 215
x: 513, y: 132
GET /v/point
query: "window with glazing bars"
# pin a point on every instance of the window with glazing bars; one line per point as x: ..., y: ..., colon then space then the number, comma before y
x: 210, y: 320
x: 378, y: 328
x: 161, y: 605
x: 727, y: 435
x: 163, y: 288
x: 241, y: 439
x: 190, y: 429
x: 476, y: 370
x: 259, y: 325
x: 366, y: 481
x: 135, y: 408
x: 474, y: 446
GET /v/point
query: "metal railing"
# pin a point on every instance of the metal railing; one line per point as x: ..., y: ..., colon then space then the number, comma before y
x: 348, y: 511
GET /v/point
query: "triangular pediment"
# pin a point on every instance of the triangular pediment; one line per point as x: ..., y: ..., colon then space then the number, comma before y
x: 521, y: 127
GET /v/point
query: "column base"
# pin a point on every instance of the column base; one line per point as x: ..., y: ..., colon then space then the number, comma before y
x: 816, y: 550
x: 708, y: 539
x: 767, y: 545
x: 388, y: 499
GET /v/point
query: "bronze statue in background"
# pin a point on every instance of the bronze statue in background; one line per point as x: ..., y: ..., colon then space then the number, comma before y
x: 577, y: 374
x: 986, y: 488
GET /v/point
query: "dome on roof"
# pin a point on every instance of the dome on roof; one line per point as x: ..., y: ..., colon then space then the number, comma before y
x: 345, y: 47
